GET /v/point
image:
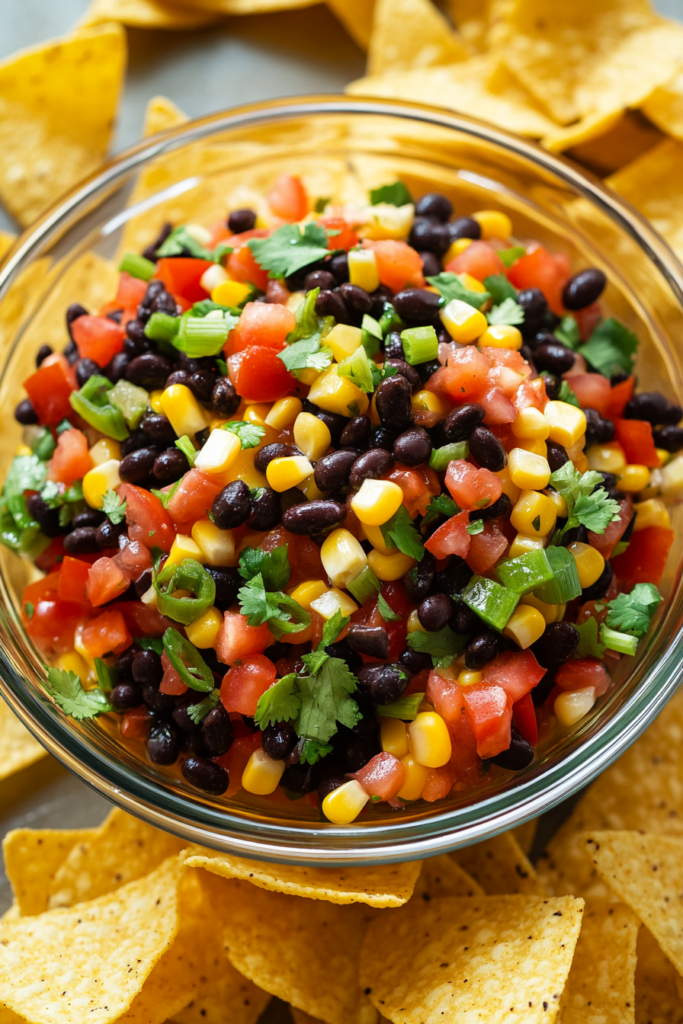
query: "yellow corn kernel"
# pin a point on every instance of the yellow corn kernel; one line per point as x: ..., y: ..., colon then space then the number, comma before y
x: 430, y: 741
x: 468, y: 677
x: 23, y: 449
x: 471, y: 283
x: 344, y: 804
x: 262, y: 775
x: 363, y: 269
x: 343, y: 339
x: 567, y: 423
x: 428, y: 401
x: 377, y: 501
x: 310, y: 488
x: 512, y: 490
x: 663, y: 456
x: 387, y: 221
x: 75, y: 662
x: 413, y: 623
x: 217, y: 546
x: 288, y: 472
x: 531, y: 423
x: 558, y: 501
x: 376, y: 538
x: 244, y: 469
x: 394, y: 736
x: 534, y: 445
x: 576, y: 449
x: 525, y: 625
x: 256, y: 413
x: 493, y: 224
x: 311, y: 435
x: 654, y: 487
x: 149, y: 598
x: 230, y: 293
x: 580, y: 463
x: 343, y: 557
x: 550, y: 612
x: 338, y: 394
x: 672, y: 477
x: 528, y: 471
x: 105, y: 450
x: 534, y: 514
x: 155, y: 400
x: 389, y: 567
x: 204, y: 630
x: 283, y: 412
x: 212, y: 277
x: 374, y: 415
x: 589, y: 563
x: 501, y: 336
x: 523, y: 543
x: 219, y: 453
x: 572, y: 706
x: 416, y: 775
x: 652, y: 512
x: 308, y: 591
x: 606, y: 458
x: 333, y: 601
x: 183, y: 410
x: 82, y: 650
x: 183, y: 547
x: 463, y: 322
x: 99, y: 480
x: 634, y: 478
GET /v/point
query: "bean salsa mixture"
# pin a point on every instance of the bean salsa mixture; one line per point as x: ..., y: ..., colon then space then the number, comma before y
x: 350, y: 503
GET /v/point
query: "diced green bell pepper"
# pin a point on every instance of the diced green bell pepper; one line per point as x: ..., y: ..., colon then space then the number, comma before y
x: 565, y: 585
x: 130, y: 400
x: 92, y: 403
x: 493, y: 603
x: 526, y: 572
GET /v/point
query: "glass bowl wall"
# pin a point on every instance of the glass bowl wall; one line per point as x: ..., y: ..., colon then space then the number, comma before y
x: 341, y: 147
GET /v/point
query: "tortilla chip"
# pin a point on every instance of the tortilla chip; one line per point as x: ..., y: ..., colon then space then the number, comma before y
x: 161, y: 114
x: 630, y: 137
x: 300, y: 1017
x: 601, y: 988
x: 479, y: 85
x: 32, y: 859
x: 18, y: 749
x: 441, y: 876
x: 642, y: 790
x: 89, y: 962
x: 123, y: 850
x: 225, y: 995
x: 384, y: 885
x: 474, y: 18
x: 500, y: 866
x: 584, y: 57
x: 411, y: 34
x: 664, y: 107
x: 590, y: 127
x: 7, y: 240
x: 368, y: 1015
x: 654, y: 185
x: 356, y: 17
x: 657, y: 998
x: 250, y: 6
x: 303, y: 951
x: 57, y: 108
x: 525, y: 834
x: 145, y: 14
x: 479, y: 959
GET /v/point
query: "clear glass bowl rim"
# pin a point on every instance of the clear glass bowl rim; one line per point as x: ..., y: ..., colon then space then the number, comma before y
x: 352, y: 844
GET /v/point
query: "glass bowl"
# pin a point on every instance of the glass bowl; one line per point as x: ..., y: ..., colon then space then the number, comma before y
x: 341, y: 146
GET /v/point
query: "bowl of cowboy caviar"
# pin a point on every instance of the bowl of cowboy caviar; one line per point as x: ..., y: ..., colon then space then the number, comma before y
x: 338, y: 495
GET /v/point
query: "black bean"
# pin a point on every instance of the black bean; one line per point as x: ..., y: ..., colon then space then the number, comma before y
x: 25, y: 413
x: 453, y: 579
x: 89, y: 517
x: 672, y: 415
x: 648, y: 405
x: 557, y: 455
x: 380, y: 297
x: 204, y: 774
x: 384, y: 683
x: 426, y: 370
x: 370, y: 465
x: 154, y: 288
x: 301, y: 778
x: 370, y: 640
x: 178, y: 376
x: 228, y: 582
x: 487, y: 449
x: 361, y: 749
x: 577, y: 533
x: 356, y: 433
x: 598, y: 431
x: 124, y: 665
x: 434, y: 204
x: 415, y: 661
x: 463, y: 620
x: 535, y: 306
x: 164, y: 303
x: 481, y: 650
x: 330, y: 303
x: 555, y: 358
x: 201, y: 385
x: 406, y: 370
x: 313, y: 517
x: 598, y: 589
x: 241, y: 220
x: 501, y: 507
x: 556, y: 645
x: 46, y: 517
x: 273, y: 451
x: 417, y: 304
x: 117, y: 368
x: 460, y: 423
x: 72, y: 313
x: 137, y: 465
x: 232, y: 506
x: 332, y: 471
x: 143, y: 583
x: 135, y: 333
x: 356, y: 299
x: 342, y: 649
x: 71, y: 353
x: 393, y: 403
x: 393, y: 346
x: 125, y: 696
x: 108, y: 534
x: 147, y: 669
x: 82, y: 541
x: 383, y: 438
x: 159, y: 703
x: 417, y: 580
x: 158, y: 429
x: 434, y: 612
x: 413, y: 447
x: 170, y: 466
x: 134, y: 442
x: 322, y: 279
x: 430, y: 264
x: 85, y: 369
x: 163, y: 744
x: 149, y: 370
x: 224, y: 397
x: 43, y: 352
x: 518, y: 756
x: 464, y: 227
x: 339, y: 267
x: 266, y: 510
x: 217, y: 731
x: 552, y: 387
x: 180, y: 714
x: 583, y: 288
x: 278, y: 740
x: 429, y: 235
x: 150, y: 252
x: 329, y: 784
x: 669, y: 438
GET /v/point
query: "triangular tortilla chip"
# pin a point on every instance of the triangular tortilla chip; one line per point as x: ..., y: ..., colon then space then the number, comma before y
x: 57, y: 107
x: 161, y: 114
x: 630, y: 137
x: 17, y: 745
x: 356, y: 17
x: 441, y: 876
x: 525, y: 834
x: 664, y: 107
x: 411, y: 34
x: 32, y: 858
x: 146, y: 14
x: 654, y: 185
x: 600, y: 987
x: 500, y: 865
x: 657, y: 998
x: 474, y: 18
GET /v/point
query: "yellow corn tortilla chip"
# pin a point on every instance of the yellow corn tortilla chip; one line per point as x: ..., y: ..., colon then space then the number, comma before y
x: 356, y: 17
x: 478, y: 85
x: 487, y: 958
x: 300, y: 1017
x: 32, y: 859
x: 664, y: 107
x: 630, y: 137
x: 474, y: 18
x: 89, y: 962
x: 250, y: 6
x: 7, y: 240
x: 584, y: 57
x: 601, y: 983
x: 384, y: 885
x: 18, y: 748
x: 411, y: 34
x: 500, y: 865
x: 145, y: 14
x: 642, y: 790
x: 57, y: 107
x: 303, y: 951
x: 654, y: 185
x: 161, y: 114
x: 124, y: 849
x: 657, y: 998
x: 525, y: 834
x: 590, y: 127
x: 441, y: 876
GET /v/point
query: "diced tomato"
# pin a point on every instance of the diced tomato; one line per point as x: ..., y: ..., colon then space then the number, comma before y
x: 53, y: 622
x: 508, y: 358
x: 479, y: 259
x: 635, y: 437
x: 472, y: 488
x: 243, y: 684
x: 524, y: 715
x: 97, y: 338
x: 238, y: 640
x: 383, y: 776
x: 588, y: 319
x: 398, y: 265
x: 171, y: 682
x: 73, y: 579
x: 464, y: 375
x: 136, y: 723
x: 497, y: 406
x: 516, y: 671
x: 147, y: 519
x: 419, y: 485
x: 489, y: 709
x: 181, y: 276
x: 582, y: 672
x: 105, y: 582
x: 143, y: 620
x: 439, y: 783
x: 261, y: 323
x: 130, y: 292
x: 606, y: 542
x: 259, y: 376
x: 445, y: 696
x: 194, y: 497
x: 235, y: 761
x: 645, y: 558
x: 49, y: 389
x: 592, y: 390
x: 620, y: 394
x: 540, y: 269
x: 347, y: 237
x: 107, y: 634
x: 287, y: 198
x: 71, y: 459
x: 133, y: 559
x: 531, y: 394
x: 486, y: 548
x: 241, y: 263
x: 451, y: 538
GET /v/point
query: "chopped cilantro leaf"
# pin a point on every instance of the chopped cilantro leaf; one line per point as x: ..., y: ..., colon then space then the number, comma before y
x: 114, y: 507
x: 358, y: 369
x: 500, y: 288
x: 321, y: 204
x: 187, y: 448
x: 475, y: 527
x: 451, y: 287
x: 306, y: 354
x: 280, y: 703
x: 400, y: 532
x: 274, y: 608
x: 50, y: 494
x: 181, y: 243
x: 165, y: 496
x: 395, y: 195
x: 611, y: 348
x: 332, y: 628
x: 508, y: 312
x: 312, y: 751
x: 536, y: 523
x: 386, y: 611
x: 198, y: 712
x: 444, y: 645
x: 306, y: 318
x: 632, y: 613
x: 566, y: 394
x: 589, y: 645
x: 510, y: 256
x: 586, y: 506
x: 43, y: 444
x: 292, y: 247
x: 273, y: 566
x: 325, y: 700
x: 66, y: 690
x: 440, y: 505
x: 26, y: 473
x: 567, y: 332
x: 29, y: 608
x: 250, y: 434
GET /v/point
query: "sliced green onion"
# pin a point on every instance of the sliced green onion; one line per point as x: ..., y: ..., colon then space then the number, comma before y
x: 358, y: 370
x: 162, y: 327
x: 188, y: 662
x: 200, y: 336
x: 371, y: 335
x: 187, y: 448
x: 623, y: 643
x: 389, y: 320
x: 493, y: 603
x: 137, y: 266
x: 440, y: 457
x: 365, y: 586
x: 420, y: 344
x: 189, y: 575
x: 526, y: 572
x: 566, y: 584
x: 106, y: 676
x: 405, y: 708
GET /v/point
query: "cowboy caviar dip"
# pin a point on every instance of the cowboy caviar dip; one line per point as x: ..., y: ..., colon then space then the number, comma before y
x: 343, y: 502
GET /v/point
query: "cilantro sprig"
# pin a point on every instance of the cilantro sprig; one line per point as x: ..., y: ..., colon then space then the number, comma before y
x: 273, y: 566
x: 611, y: 348
x: 280, y: 612
x: 587, y: 503
x: 508, y: 312
x: 250, y: 434
x: 292, y: 247
x: 400, y: 532
x: 444, y: 646
x: 114, y: 507
x: 304, y: 351
x: 66, y: 690
x: 589, y: 645
x: 395, y: 194
x: 450, y: 287
x: 632, y: 613
x: 440, y: 505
